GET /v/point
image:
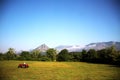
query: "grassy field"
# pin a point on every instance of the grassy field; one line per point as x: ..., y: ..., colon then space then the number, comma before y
x: 58, y: 71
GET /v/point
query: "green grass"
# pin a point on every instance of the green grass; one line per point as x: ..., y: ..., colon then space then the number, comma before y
x: 58, y: 71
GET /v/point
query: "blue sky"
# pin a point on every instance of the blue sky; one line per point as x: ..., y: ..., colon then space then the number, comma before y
x: 26, y: 24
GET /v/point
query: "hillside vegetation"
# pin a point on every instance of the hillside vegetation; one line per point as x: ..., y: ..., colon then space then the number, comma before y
x: 58, y: 71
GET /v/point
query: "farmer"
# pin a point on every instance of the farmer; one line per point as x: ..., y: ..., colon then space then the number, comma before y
x: 24, y: 63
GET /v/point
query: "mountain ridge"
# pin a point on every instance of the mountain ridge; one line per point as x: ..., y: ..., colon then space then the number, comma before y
x: 78, y: 48
x: 96, y: 46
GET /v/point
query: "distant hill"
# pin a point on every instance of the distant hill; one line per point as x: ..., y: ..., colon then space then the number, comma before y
x: 42, y: 48
x: 96, y: 46
x: 102, y: 45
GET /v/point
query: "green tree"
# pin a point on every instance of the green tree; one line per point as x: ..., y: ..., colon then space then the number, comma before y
x: 10, y: 55
x: 1, y: 56
x: 75, y: 56
x: 44, y: 58
x: 112, y: 54
x: 118, y: 58
x: 25, y: 55
x: 35, y: 54
x: 92, y: 55
x: 84, y: 55
x: 102, y: 56
x: 64, y: 55
x: 51, y: 53
x: 108, y: 55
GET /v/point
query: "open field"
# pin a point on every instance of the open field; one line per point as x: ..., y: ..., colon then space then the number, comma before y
x: 58, y: 71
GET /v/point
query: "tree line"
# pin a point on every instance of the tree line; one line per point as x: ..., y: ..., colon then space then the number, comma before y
x: 108, y: 55
x: 36, y: 55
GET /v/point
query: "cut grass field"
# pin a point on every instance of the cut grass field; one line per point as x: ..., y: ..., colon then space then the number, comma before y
x: 58, y: 71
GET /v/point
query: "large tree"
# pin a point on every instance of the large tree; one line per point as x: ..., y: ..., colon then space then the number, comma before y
x: 84, y: 55
x: 102, y: 56
x: 64, y: 56
x: 118, y: 58
x: 10, y: 55
x: 92, y: 55
x: 112, y: 53
x: 1, y: 56
x: 75, y: 56
x: 35, y: 54
x: 51, y: 53
x: 25, y: 55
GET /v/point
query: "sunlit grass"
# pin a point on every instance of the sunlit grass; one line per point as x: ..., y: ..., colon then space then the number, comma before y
x: 58, y: 71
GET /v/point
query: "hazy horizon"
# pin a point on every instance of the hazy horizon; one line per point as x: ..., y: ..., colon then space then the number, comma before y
x: 26, y: 24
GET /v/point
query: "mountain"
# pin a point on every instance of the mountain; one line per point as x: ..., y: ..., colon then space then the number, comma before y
x: 96, y: 46
x: 102, y: 45
x: 77, y: 48
x: 42, y: 48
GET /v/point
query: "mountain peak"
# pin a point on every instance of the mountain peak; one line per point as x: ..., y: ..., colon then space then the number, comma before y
x: 42, y: 48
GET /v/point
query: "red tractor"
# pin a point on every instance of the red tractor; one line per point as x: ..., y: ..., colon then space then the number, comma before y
x: 23, y: 66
